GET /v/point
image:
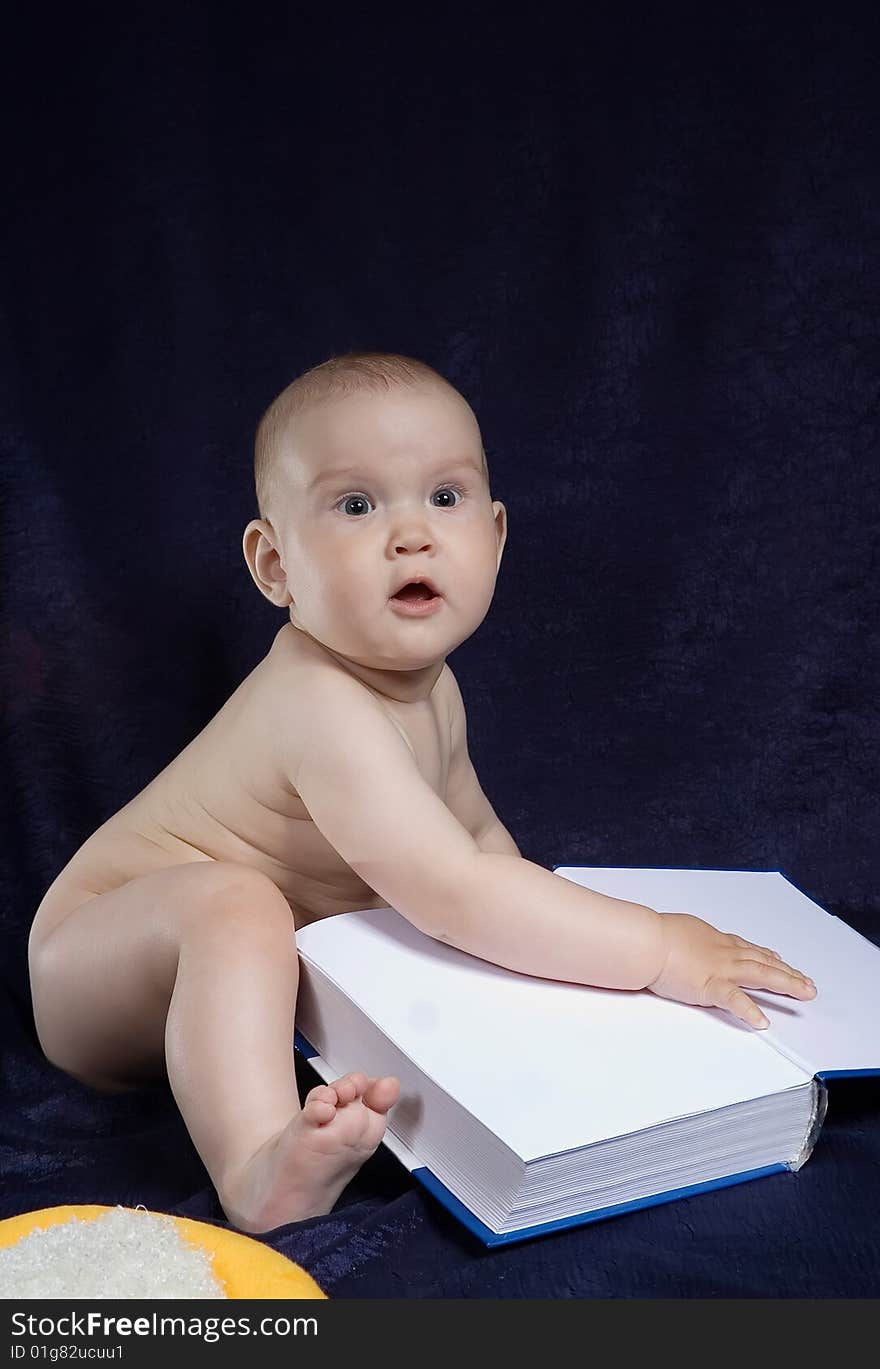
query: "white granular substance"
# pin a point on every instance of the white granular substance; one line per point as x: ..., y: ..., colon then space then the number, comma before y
x: 121, y: 1254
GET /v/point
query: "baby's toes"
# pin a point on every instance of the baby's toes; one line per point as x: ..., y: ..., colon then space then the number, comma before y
x: 350, y: 1086
x: 320, y: 1104
x: 382, y: 1093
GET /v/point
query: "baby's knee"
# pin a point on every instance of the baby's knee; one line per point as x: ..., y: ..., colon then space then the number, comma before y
x: 238, y: 896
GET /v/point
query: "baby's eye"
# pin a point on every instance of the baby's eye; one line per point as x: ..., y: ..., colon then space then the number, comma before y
x: 362, y: 499
x: 450, y: 489
x: 352, y: 499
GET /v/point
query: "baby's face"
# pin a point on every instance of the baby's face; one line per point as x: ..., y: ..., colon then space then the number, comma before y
x: 382, y: 488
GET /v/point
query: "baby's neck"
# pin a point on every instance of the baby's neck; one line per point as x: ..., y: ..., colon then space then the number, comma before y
x: 399, y: 686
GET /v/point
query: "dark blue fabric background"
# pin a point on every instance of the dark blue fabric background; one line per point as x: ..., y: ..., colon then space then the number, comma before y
x: 644, y: 246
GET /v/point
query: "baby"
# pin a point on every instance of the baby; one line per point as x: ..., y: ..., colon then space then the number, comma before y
x: 335, y: 777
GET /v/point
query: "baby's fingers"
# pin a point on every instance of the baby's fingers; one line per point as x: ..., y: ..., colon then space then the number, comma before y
x: 756, y: 952
x: 781, y: 978
x: 753, y: 946
x: 737, y: 1001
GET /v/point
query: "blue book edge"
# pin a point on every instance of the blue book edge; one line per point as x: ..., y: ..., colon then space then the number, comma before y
x: 493, y: 1238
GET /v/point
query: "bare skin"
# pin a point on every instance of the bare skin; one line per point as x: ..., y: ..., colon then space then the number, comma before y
x: 199, y: 918
x: 303, y: 1169
x: 161, y: 890
x: 335, y: 777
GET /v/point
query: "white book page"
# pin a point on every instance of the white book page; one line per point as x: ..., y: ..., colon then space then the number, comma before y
x: 837, y: 1030
x: 546, y: 1066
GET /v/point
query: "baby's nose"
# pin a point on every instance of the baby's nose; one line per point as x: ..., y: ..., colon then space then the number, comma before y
x: 413, y: 544
x: 414, y: 537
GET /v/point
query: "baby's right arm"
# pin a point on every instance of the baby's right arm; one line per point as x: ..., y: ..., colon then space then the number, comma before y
x: 362, y: 787
x: 523, y: 916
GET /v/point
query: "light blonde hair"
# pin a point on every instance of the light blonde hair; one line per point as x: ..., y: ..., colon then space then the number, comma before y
x: 334, y: 378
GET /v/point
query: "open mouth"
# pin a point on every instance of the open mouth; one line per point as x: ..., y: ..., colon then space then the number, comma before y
x: 413, y: 592
x: 416, y: 600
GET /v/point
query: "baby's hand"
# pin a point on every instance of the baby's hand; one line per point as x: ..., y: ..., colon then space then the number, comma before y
x: 707, y: 967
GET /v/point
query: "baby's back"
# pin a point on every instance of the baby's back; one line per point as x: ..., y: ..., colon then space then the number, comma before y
x: 228, y: 796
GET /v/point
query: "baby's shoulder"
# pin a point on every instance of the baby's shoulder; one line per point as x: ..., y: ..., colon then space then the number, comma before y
x: 296, y: 669
x: 310, y: 695
x: 302, y: 688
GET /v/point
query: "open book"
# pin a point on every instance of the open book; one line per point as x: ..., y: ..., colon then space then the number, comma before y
x: 529, y: 1104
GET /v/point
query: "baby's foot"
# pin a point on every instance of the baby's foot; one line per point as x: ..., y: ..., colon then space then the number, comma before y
x: 301, y: 1171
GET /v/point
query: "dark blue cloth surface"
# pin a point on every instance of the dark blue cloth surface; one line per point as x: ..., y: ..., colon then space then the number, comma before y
x: 645, y: 250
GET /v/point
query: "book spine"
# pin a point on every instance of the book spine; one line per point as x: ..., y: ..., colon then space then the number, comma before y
x: 817, y: 1117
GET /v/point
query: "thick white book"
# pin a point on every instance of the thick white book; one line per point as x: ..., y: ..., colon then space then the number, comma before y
x: 530, y: 1104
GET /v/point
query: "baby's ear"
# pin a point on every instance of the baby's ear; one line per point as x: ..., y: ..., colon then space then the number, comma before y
x: 500, y: 513
x: 264, y: 562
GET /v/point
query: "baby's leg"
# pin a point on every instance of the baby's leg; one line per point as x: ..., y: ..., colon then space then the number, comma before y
x: 193, y: 969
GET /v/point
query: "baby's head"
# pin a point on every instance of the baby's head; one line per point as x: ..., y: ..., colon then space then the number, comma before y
x: 370, y: 471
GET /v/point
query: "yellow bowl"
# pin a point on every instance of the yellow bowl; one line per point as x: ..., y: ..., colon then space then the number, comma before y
x: 245, y: 1267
